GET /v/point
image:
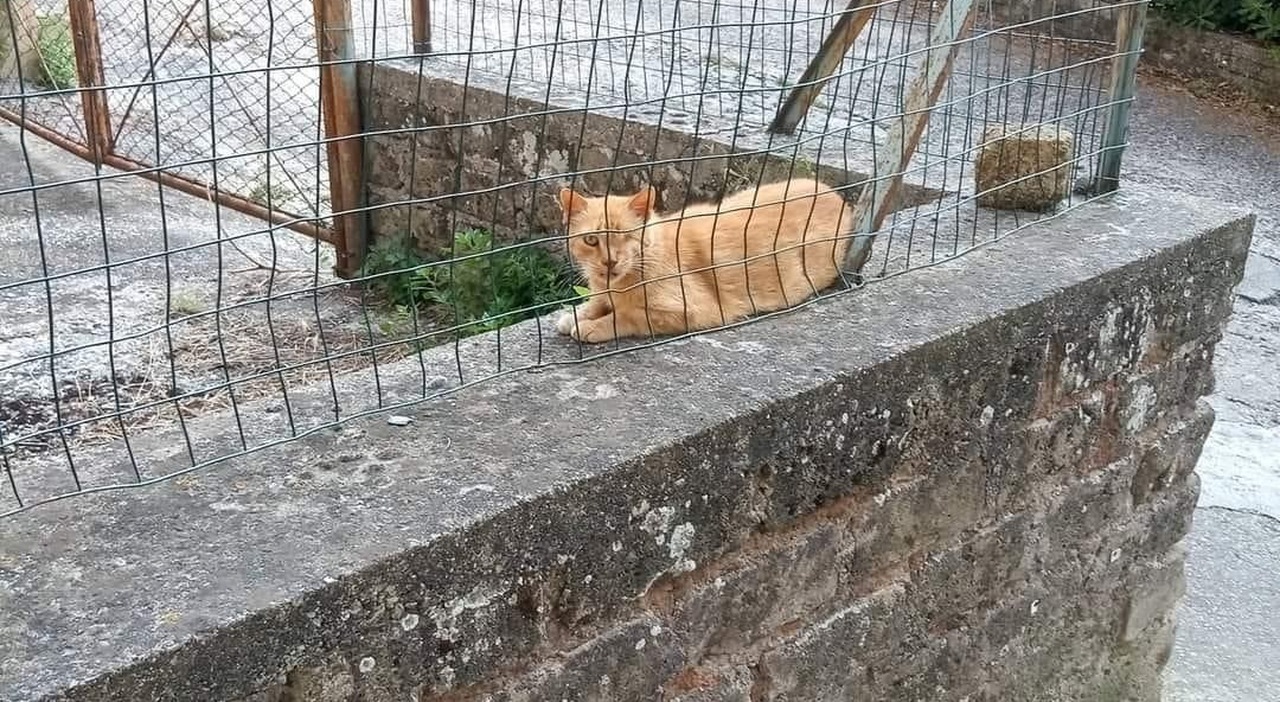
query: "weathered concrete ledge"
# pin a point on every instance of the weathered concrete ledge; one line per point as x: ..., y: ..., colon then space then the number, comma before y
x: 966, y: 482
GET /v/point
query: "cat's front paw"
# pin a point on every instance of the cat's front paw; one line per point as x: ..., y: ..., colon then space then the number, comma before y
x: 593, y: 331
x: 566, y: 323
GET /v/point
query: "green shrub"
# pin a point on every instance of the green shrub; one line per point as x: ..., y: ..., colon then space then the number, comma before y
x: 1258, y: 18
x: 57, y: 53
x: 472, y: 285
x: 1262, y: 18
x: 276, y: 196
x: 393, y: 254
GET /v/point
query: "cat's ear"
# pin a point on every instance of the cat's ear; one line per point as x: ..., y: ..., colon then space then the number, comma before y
x: 571, y: 203
x: 643, y: 203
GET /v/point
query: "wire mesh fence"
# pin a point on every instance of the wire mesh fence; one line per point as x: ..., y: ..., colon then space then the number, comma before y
x: 208, y: 92
x: 50, y: 72
x: 227, y: 83
x: 150, y: 334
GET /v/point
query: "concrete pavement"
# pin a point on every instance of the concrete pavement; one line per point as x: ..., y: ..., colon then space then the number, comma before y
x: 1227, y: 646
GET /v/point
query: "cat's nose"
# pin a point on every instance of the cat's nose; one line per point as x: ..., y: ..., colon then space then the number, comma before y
x: 610, y: 263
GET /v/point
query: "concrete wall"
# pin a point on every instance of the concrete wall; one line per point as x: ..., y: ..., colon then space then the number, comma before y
x: 969, y: 482
x: 18, y: 47
x: 501, y: 173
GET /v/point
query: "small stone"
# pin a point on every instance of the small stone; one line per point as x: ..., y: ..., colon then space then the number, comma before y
x: 218, y: 34
x: 367, y: 664
x: 399, y: 420
x: 1023, y: 166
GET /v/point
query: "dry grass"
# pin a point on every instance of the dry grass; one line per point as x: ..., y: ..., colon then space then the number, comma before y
x: 217, y: 359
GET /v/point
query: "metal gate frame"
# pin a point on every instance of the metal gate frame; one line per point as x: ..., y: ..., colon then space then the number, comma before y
x: 339, y: 110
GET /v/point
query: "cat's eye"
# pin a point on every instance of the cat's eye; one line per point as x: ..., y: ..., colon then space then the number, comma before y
x: 590, y: 239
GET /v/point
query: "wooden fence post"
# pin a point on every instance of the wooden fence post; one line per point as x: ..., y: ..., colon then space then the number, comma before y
x: 340, y: 107
x: 421, y: 19
x: 878, y: 195
x: 824, y: 63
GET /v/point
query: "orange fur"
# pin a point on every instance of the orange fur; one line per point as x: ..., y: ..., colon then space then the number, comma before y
x: 759, y: 250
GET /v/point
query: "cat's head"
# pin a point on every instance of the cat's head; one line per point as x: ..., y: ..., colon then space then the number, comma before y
x: 605, y: 234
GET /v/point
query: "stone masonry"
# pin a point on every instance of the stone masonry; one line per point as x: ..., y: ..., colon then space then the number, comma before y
x: 501, y: 170
x: 1214, y: 59
x: 966, y: 483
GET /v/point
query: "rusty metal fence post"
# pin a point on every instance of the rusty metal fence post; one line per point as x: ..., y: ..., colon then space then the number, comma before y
x: 851, y: 23
x: 344, y: 145
x: 88, y: 57
x: 421, y: 19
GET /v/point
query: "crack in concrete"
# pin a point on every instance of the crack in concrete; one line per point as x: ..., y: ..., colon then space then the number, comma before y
x: 1261, y: 254
x: 1269, y: 301
x: 1244, y: 510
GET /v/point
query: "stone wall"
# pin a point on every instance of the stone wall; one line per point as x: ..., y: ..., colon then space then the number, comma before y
x: 1215, y: 59
x: 1090, y: 20
x: 429, y: 176
x: 970, y: 482
x: 19, y: 54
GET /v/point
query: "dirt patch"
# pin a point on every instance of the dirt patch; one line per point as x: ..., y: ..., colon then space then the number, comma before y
x: 209, y: 360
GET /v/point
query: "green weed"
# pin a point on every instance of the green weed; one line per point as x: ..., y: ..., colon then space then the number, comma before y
x: 470, y: 285
x: 277, y: 196
x: 1262, y: 18
x: 57, y: 53
x: 1259, y: 18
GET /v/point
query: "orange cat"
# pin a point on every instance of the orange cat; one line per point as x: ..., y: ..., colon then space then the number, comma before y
x: 759, y: 250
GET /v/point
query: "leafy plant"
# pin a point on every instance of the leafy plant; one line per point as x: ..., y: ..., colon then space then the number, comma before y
x: 57, y: 53
x: 471, y: 285
x: 1200, y: 14
x: 388, y: 259
x: 277, y: 195
x: 491, y: 290
x: 1260, y: 18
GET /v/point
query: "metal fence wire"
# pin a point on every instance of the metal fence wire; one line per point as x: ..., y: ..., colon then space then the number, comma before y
x: 349, y: 208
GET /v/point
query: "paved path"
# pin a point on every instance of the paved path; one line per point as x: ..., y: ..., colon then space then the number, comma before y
x: 1227, y: 646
